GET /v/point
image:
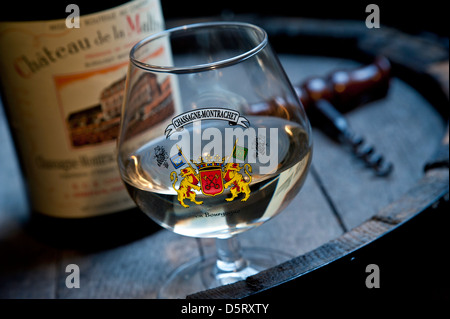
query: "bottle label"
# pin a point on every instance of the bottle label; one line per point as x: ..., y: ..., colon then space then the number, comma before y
x: 64, y: 88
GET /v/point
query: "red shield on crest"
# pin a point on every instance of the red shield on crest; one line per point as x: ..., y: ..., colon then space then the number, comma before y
x: 211, y: 181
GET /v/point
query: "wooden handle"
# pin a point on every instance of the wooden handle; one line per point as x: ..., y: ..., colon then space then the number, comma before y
x: 347, y: 89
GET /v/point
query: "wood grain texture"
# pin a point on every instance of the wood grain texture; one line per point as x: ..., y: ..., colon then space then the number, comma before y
x: 137, y: 269
x: 432, y: 188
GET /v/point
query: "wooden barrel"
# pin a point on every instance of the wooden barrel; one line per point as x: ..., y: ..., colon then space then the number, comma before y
x: 337, y: 225
x: 367, y: 209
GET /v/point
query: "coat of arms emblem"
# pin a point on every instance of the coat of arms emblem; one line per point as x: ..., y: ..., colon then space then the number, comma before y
x: 214, y: 175
x: 210, y: 177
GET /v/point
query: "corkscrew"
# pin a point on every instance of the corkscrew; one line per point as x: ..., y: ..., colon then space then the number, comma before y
x: 322, y: 97
x: 335, y: 125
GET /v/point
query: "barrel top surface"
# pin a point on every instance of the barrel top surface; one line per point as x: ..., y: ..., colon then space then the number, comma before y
x: 339, y: 194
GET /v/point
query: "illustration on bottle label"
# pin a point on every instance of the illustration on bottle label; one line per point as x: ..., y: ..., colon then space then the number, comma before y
x: 64, y: 90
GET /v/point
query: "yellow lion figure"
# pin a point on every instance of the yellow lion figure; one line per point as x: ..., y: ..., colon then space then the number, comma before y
x: 190, y: 180
x: 231, y: 176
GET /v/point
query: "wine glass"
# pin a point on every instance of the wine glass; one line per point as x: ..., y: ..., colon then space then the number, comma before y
x: 213, y: 142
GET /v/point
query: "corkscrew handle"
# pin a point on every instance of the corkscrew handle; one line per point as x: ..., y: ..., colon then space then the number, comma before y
x: 347, y: 89
x: 344, y: 89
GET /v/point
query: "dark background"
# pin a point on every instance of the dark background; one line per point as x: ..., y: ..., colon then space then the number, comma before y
x: 409, y: 16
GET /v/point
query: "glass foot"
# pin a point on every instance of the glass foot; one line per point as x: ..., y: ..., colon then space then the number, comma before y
x: 208, y: 272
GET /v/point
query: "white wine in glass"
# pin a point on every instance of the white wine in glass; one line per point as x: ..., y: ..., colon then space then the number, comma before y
x: 213, y: 142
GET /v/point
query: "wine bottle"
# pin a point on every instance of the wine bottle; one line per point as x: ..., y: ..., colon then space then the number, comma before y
x: 62, y: 75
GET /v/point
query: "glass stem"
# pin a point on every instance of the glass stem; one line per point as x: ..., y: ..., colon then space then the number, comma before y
x: 229, y: 258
